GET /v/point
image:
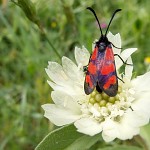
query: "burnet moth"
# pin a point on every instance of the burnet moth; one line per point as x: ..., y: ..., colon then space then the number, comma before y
x: 101, y: 70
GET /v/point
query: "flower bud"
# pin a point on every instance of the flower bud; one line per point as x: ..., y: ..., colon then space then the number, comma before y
x: 29, y: 9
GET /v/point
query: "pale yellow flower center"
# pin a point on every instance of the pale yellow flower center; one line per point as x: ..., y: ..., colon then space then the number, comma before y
x: 100, y: 106
x: 102, y: 99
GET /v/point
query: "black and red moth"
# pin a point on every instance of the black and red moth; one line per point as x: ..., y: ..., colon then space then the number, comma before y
x: 101, y: 70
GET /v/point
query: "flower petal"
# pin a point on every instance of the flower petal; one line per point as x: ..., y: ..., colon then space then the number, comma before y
x: 64, y: 100
x: 55, y: 86
x: 141, y: 106
x: 129, y: 69
x: 124, y: 55
x: 56, y: 73
x: 127, y: 132
x: 88, y: 126
x: 110, y: 130
x: 116, y: 41
x: 122, y: 130
x: 66, y: 88
x: 59, y: 115
x: 141, y: 83
x: 71, y: 89
x: 127, y: 126
x: 71, y: 70
x: 82, y: 56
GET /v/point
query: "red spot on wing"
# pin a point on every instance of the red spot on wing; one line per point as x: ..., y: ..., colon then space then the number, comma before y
x: 109, y: 54
x: 95, y: 53
x: 111, y: 81
x: 92, y: 68
x: 88, y: 81
x: 107, y: 69
x: 108, y: 64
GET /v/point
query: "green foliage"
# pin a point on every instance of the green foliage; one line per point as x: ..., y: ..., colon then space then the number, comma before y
x: 25, y: 51
x: 67, y: 138
x: 121, y: 148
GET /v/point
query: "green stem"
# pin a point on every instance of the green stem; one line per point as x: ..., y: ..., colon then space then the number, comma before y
x: 49, y: 42
x: 141, y: 141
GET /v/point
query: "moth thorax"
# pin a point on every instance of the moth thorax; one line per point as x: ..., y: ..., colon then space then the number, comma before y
x: 102, y: 46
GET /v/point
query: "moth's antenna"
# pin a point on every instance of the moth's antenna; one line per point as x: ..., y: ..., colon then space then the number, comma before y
x: 96, y: 18
x: 111, y: 20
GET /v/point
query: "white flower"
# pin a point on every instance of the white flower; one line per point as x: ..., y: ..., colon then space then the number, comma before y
x: 116, y: 117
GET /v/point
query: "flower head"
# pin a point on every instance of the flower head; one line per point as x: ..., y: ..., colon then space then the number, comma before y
x: 116, y: 117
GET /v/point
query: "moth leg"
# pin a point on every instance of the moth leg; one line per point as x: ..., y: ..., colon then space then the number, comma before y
x: 123, y: 60
x: 120, y: 79
x: 131, y: 108
x: 85, y: 68
x: 116, y: 47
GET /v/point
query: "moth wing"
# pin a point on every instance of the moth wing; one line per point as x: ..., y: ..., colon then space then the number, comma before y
x: 107, y: 76
x: 91, y: 74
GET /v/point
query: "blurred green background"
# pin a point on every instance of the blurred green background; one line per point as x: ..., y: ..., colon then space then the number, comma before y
x: 24, y: 53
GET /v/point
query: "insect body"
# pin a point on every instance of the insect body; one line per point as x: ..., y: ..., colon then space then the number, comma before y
x: 101, y: 71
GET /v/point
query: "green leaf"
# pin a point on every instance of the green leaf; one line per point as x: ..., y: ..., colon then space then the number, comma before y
x: 119, y: 147
x: 145, y: 134
x: 84, y: 142
x: 67, y: 138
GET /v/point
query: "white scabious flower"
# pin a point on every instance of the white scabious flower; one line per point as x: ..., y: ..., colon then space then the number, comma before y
x: 116, y: 117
